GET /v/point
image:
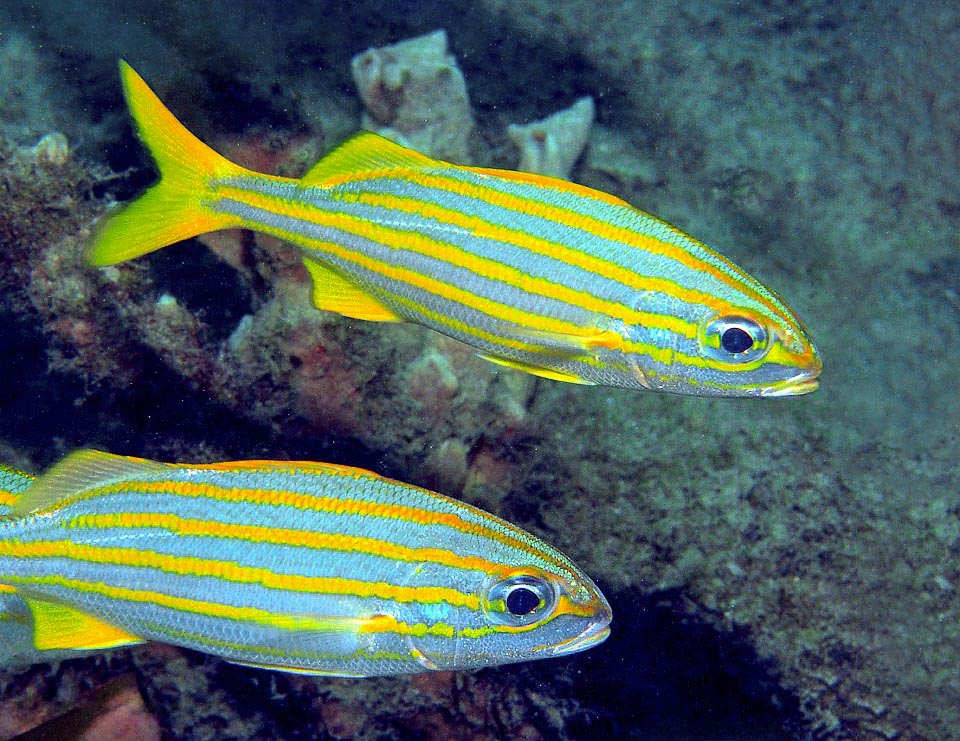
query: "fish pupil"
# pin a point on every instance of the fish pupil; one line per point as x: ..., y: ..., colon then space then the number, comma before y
x: 522, y: 601
x: 735, y: 340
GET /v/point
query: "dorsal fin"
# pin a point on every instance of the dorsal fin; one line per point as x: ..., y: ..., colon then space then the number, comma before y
x: 364, y: 152
x: 80, y: 470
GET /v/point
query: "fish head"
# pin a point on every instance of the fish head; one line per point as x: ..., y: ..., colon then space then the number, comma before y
x: 736, y: 339
x: 522, y: 614
x: 547, y: 614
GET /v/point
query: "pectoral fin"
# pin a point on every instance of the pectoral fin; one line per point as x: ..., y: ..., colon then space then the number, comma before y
x: 580, y: 342
x: 552, y: 374
x: 300, y: 670
x: 314, y: 640
x: 57, y: 626
x: 333, y: 292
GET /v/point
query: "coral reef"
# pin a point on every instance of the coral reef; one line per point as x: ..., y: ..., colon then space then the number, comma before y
x: 778, y: 570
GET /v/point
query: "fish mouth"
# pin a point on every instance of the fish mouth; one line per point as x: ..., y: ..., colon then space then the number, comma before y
x: 804, y: 382
x: 794, y: 387
x: 594, y: 635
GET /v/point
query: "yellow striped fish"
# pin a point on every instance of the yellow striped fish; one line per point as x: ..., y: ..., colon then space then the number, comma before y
x: 16, y: 625
x: 535, y: 273
x: 301, y: 567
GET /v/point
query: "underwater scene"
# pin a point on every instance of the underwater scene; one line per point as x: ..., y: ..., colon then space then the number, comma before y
x: 479, y: 370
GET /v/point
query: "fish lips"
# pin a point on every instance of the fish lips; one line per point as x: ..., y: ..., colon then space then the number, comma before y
x: 804, y: 382
x: 593, y: 635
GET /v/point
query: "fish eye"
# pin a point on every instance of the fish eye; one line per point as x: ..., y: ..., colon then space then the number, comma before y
x: 735, y: 339
x: 521, y: 600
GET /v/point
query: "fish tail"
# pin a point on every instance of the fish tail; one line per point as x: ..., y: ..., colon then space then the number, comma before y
x: 175, y: 208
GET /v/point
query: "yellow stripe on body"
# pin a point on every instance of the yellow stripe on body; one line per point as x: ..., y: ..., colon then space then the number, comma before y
x: 182, y: 604
x: 589, y: 263
x: 497, y: 271
x: 664, y: 355
x: 415, y: 242
x: 484, y: 267
x: 510, y: 535
x: 377, y: 624
x: 557, y: 250
x: 389, y: 624
x: 588, y: 223
x: 287, y: 537
x: 510, y: 276
x: 494, y: 309
x: 225, y: 570
x: 586, y: 301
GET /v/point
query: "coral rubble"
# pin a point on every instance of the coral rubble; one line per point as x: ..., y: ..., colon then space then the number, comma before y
x: 552, y: 146
x: 794, y: 564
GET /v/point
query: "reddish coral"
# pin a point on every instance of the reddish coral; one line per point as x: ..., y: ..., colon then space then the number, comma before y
x: 325, y: 386
x: 125, y: 718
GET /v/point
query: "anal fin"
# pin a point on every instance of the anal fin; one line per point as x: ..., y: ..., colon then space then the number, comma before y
x: 57, y: 626
x: 333, y: 292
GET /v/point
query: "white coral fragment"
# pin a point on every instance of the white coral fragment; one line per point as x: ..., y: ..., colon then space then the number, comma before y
x: 551, y: 146
x: 53, y: 150
x: 415, y: 94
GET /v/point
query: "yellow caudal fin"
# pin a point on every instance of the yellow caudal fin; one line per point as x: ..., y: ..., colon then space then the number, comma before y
x: 173, y: 209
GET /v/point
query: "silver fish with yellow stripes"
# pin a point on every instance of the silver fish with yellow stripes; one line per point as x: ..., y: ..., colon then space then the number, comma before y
x: 536, y: 273
x: 16, y: 624
x: 301, y: 567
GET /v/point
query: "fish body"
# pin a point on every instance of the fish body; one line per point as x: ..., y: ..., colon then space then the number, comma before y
x: 535, y: 273
x: 16, y: 624
x: 301, y: 567
x: 17, y: 646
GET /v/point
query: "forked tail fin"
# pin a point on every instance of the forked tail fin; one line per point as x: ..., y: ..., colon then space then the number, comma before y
x: 173, y: 209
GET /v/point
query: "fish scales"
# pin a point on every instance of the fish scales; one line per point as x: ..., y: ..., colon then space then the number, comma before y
x: 535, y: 273
x: 481, y: 289
x: 530, y: 265
x: 16, y: 625
x: 298, y: 566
